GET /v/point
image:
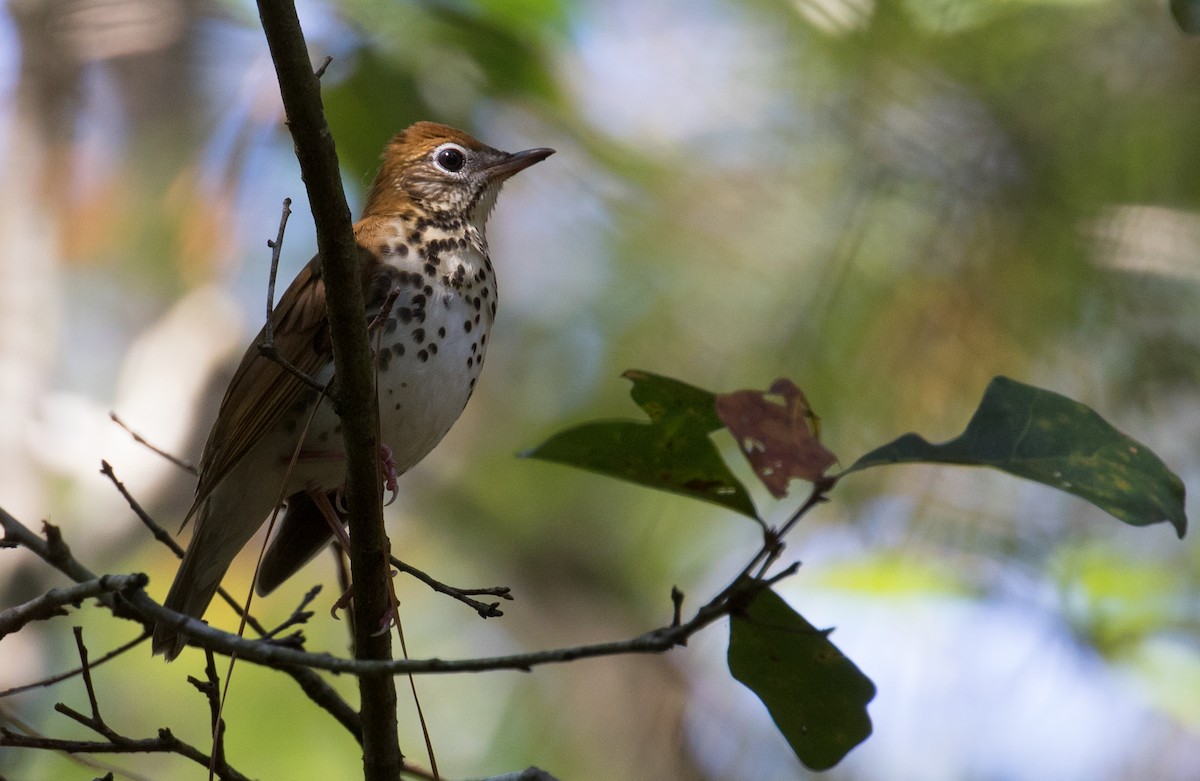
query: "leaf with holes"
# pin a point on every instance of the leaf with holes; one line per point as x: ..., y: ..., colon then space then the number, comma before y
x: 778, y: 439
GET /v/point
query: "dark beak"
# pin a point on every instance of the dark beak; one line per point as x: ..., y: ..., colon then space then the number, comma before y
x: 518, y: 161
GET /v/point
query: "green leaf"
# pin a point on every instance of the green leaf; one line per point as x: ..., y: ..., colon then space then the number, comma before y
x: 663, y: 398
x: 817, y: 697
x: 1041, y: 435
x: 672, y: 452
x: 1187, y: 15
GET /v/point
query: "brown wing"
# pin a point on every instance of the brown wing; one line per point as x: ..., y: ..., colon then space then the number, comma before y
x: 261, y: 390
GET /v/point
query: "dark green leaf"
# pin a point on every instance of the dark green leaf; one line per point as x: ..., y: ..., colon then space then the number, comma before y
x: 1043, y: 436
x: 1187, y: 15
x: 672, y: 452
x: 663, y: 398
x: 816, y: 696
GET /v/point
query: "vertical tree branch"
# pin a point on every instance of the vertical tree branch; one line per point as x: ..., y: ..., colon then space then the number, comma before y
x: 354, y: 395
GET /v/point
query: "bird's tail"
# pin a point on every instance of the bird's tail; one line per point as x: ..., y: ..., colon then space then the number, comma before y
x: 303, y: 533
x: 215, y: 543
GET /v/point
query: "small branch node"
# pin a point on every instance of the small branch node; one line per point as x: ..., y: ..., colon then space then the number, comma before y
x: 677, y: 607
x: 485, y: 610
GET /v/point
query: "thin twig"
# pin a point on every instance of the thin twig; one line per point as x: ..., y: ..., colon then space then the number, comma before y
x: 462, y: 595
x: 176, y: 460
x: 266, y: 347
x: 743, y: 587
x: 60, y: 677
x: 385, y: 309
x: 774, y: 545
x: 15, y: 531
x: 210, y: 687
x: 163, y: 536
x: 87, y: 674
x: 165, y: 743
x: 299, y: 616
x: 276, y: 246
x: 676, y: 606
x: 412, y: 687
x: 29, y: 733
x: 245, y: 612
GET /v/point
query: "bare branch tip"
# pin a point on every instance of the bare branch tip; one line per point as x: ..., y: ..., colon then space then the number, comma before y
x: 677, y: 606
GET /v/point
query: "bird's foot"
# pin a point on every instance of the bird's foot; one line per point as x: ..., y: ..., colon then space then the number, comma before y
x: 390, y: 617
x: 387, y: 620
x: 388, y: 466
x: 342, y: 603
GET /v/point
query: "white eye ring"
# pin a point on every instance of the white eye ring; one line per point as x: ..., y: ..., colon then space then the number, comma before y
x: 450, y: 157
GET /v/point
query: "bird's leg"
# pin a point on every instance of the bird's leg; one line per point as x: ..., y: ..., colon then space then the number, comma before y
x: 336, y: 525
x: 330, y: 514
x: 388, y: 466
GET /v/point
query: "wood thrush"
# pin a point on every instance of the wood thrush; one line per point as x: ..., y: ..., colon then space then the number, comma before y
x: 422, y: 235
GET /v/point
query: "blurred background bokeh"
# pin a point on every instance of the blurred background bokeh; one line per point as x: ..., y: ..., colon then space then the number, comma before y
x: 889, y: 201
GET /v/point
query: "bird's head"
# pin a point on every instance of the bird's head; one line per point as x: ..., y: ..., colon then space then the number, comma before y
x: 444, y: 173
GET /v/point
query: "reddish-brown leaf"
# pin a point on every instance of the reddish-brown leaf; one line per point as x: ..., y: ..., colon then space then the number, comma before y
x: 777, y: 432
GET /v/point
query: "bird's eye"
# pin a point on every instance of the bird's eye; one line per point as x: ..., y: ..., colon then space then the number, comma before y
x: 451, y: 158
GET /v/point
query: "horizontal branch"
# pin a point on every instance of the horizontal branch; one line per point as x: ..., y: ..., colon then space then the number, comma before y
x: 128, y: 746
x: 53, y: 603
x: 165, y: 743
x: 266, y: 653
x: 743, y: 587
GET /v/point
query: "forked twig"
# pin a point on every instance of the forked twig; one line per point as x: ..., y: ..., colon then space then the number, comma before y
x: 484, y: 609
x: 266, y: 347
